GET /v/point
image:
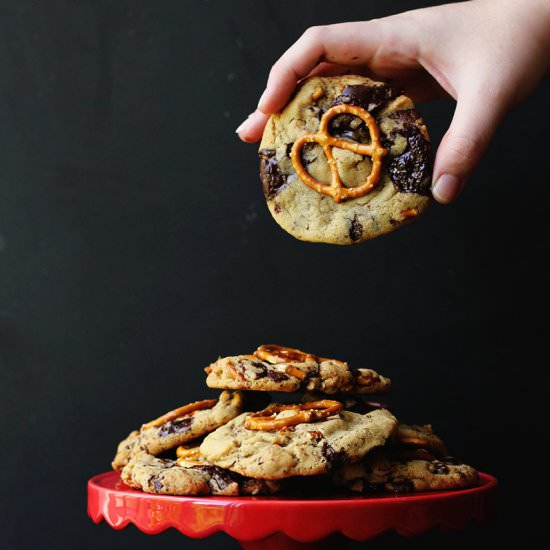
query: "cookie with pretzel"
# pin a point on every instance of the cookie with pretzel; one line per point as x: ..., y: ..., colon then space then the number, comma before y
x: 399, y: 472
x: 296, y: 440
x: 282, y: 369
x: 420, y: 436
x: 181, y: 477
x: 346, y: 160
x: 179, y: 426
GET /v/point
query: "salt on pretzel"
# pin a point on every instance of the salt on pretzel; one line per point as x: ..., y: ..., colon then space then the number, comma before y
x: 336, y: 189
x: 186, y: 410
x: 267, y: 420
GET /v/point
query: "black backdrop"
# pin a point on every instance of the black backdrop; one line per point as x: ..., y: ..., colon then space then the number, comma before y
x: 135, y: 246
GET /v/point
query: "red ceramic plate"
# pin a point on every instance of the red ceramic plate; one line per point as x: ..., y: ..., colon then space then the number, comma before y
x: 274, y: 522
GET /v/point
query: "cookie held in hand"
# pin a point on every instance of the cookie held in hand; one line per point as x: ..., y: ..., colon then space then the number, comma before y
x: 348, y: 159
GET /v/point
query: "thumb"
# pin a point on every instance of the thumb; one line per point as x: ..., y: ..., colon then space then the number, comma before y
x: 475, y: 120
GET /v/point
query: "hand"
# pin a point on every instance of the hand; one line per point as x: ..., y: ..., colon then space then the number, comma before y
x: 488, y: 55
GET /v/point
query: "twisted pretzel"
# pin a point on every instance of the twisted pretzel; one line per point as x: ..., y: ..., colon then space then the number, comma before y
x: 267, y: 420
x: 179, y: 412
x: 281, y: 354
x: 336, y: 189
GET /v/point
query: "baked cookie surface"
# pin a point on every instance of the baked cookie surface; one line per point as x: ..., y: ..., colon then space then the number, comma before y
x: 176, y: 428
x: 402, y: 192
x: 273, y: 368
x: 177, y: 477
x: 304, y: 449
x: 378, y: 472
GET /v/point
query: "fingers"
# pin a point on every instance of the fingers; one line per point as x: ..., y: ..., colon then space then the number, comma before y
x: 475, y: 120
x: 348, y: 44
x: 252, y: 128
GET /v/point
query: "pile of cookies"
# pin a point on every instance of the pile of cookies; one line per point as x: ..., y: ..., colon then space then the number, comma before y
x: 332, y: 440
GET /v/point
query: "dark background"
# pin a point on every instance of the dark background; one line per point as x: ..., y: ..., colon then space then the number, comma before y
x: 135, y: 246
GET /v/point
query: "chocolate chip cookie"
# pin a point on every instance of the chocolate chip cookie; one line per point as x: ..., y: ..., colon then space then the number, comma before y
x: 303, y: 449
x: 379, y: 472
x: 348, y: 159
x: 281, y: 369
x: 178, y: 477
x: 179, y: 426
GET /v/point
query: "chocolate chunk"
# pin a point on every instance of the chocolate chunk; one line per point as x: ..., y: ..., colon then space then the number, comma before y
x: 178, y: 426
x: 220, y: 479
x: 349, y: 127
x: 157, y: 484
x: 355, y: 229
x: 312, y: 373
x: 411, y: 172
x: 366, y: 97
x: 333, y: 457
x: 405, y: 117
x: 438, y: 467
x: 276, y: 376
x: 261, y: 369
x: 270, y: 173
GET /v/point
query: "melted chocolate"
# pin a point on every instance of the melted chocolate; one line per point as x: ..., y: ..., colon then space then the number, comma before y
x: 270, y: 174
x: 265, y: 371
x: 355, y: 229
x: 366, y: 97
x: 411, y: 171
x: 178, y: 426
x: 276, y: 376
x: 346, y: 127
x: 220, y: 479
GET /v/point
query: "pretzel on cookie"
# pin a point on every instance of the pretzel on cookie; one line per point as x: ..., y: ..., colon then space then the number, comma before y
x: 374, y: 149
x: 267, y: 420
x: 188, y: 456
x: 186, y: 410
x: 281, y: 354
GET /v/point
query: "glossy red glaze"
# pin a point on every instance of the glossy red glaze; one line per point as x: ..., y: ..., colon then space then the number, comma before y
x: 288, y: 523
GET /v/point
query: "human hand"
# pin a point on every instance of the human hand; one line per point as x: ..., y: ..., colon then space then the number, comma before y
x: 488, y: 55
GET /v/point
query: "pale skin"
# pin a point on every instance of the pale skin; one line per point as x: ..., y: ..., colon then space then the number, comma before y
x: 487, y: 55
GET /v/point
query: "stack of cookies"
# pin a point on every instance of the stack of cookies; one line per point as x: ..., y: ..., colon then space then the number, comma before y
x: 244, y: 444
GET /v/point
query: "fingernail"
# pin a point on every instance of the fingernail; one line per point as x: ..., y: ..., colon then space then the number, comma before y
x: 243, y: 124
x: 446, y: 188
x: 260, y: 101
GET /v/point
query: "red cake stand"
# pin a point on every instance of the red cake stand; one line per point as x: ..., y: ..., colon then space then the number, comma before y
x: 271, y: 523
